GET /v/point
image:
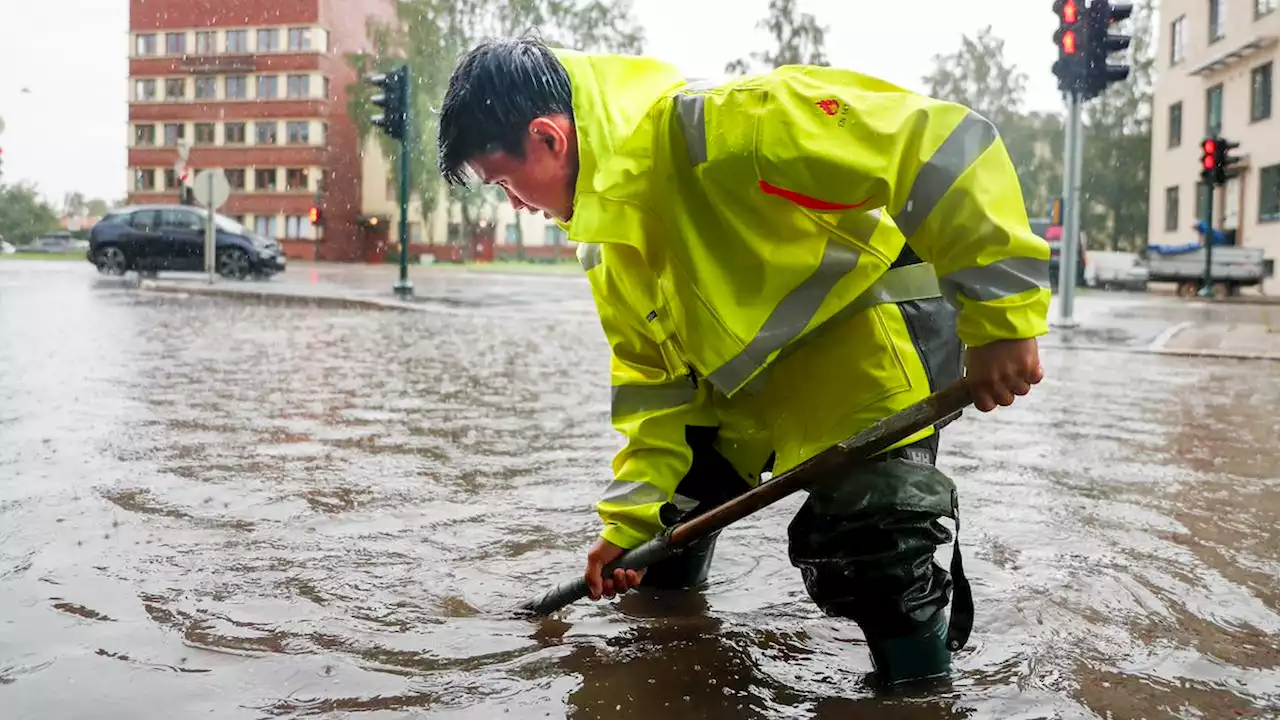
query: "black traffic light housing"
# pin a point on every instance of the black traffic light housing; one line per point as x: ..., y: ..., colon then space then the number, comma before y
x: 1223, y: 161
x: 1208, y: 160
x: 1100, y: 42
x: 394, y: 101
x: 1069, y: 38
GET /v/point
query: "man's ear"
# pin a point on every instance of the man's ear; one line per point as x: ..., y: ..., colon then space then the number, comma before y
x: 551, y: 131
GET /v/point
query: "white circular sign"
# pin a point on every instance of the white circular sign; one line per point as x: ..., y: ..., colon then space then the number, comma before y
x: 211, y: 188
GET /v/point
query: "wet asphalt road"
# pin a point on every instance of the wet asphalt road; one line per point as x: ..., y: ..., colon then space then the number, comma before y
x: 210, y: 508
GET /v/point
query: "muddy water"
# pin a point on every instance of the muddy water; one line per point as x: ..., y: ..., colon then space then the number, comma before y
x: 213, y: 509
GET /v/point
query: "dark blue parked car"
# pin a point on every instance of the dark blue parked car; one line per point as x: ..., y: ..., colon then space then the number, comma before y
x: 151, y: 238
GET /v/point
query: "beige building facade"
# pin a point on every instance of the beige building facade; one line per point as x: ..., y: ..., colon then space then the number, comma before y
x: 1216, y: 69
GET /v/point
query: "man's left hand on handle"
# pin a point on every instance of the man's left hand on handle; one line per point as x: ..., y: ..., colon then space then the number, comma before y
x: 1000, y: 370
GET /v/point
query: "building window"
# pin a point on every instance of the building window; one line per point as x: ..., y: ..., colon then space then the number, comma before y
x: 297, y: 132
x: 1260, y: 93
x: 235, y: 178
x: 237, y: 41
x: 1178, y: 40
x: 233, y: 133
x: 204, y: 134
x: 299, y: 39
x: 146, y: 45
x: 297, y: 227
x: 175, y: 43
x: 267, y: 87
x: 265, y: 225
x: 237, y: 87
x: 144, y: 90
x: 264, y: 179
x: 206, y: 88
x: 1264, y: 7
x: 144, y: 135
x: 1217, y: 20
x: 299, y: 86
x: 175, y: 88
x: 144, y: 179
x: 268, y: 40
x: 173, y: 132
x: 265, y: 132
x: 1213, y: 111
x: 415, y: 232
x: 555, y: 236
x: 1269, y: 194
x: 170, y: 179
x: 325, y: 88
x: 295, y: 179
x: 1171, y: 209
x: 206, y: 42
x: 1175, y: 124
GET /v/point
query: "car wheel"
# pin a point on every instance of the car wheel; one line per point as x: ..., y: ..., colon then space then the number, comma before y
x: 233, y: 263
x: 110, y: 260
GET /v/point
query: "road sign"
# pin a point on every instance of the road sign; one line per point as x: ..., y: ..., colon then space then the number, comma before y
x: 211, y: 188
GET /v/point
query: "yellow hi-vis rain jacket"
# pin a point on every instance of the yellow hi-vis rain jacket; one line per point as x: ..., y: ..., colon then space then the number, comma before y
x: 738, y: 241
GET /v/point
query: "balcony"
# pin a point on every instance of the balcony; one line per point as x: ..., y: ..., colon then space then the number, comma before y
x: 1234, y: 55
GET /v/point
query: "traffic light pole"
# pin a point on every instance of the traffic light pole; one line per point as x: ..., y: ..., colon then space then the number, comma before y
x: 1207, y: 289
x: 1072, y: 165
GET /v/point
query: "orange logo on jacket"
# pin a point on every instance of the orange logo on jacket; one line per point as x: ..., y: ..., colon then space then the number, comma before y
x: 830, y: 107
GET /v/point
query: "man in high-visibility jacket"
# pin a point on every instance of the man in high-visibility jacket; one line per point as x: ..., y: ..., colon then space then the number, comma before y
x: 778, y: 261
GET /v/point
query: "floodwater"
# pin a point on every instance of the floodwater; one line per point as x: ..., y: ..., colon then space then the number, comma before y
x: 210, y: 508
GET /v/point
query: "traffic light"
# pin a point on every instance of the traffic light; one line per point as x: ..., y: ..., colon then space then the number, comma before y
x: 394, y: 101
x: 314, y: 215
x: 1208, y: 159
x: 1071, y: 64
x: 1223, y: 162
x: 1099, y: 43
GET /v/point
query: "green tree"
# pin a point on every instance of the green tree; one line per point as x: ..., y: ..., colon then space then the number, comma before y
x: 797, y: 37
x: 24, y: 215
x: 430, y: 35
x: 1116, y: 168
x: 977, y: 76
x: 97, y: 207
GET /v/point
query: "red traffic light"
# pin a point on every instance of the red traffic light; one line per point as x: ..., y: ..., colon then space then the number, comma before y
x: 1208, y: 162
x: 1069, y: 42
x: 1209, y: 146
x: 1070, y: 12
x: 313, y: 214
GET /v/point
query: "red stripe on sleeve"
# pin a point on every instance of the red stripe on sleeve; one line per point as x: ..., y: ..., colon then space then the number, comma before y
x: 804, y: 201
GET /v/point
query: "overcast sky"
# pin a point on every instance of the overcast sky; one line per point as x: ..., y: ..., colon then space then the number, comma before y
x: 64, y: 70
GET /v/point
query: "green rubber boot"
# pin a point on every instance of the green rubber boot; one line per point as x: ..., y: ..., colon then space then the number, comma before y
x: 912, y: 658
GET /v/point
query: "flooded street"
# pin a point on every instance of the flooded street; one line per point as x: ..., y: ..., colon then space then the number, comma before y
x: 213, y: 508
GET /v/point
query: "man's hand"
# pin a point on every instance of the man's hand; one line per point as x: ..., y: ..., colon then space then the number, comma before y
x: 1002, y: 369
x: 602, y: 553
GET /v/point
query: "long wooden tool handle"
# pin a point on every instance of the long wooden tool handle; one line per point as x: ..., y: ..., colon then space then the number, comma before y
x: 875, y: 439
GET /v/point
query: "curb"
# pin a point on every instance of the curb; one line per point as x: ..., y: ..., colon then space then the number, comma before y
x: 281, y: 298
x: 1215, y: 354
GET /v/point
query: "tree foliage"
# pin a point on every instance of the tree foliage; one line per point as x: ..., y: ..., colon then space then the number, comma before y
x: 430, y: 35
x: 1115, y: 170
x: 24, y: 215
x: 797, y: 38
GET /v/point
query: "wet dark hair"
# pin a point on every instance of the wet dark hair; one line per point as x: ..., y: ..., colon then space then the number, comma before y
x: 496, y: 90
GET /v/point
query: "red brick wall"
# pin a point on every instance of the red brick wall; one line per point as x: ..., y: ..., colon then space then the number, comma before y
x: 178, y: 14
x: 347, y: 21
x: 269, y: 62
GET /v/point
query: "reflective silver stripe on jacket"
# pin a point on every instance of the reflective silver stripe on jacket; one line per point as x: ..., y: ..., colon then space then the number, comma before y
x: 902, y: 284
x: 630, y: 399
x: 589, y: 255
x: 624, y: 493
x: 1001, y: 279
x: 958, y: 152
x: 789, y: 318
x: 691, y: 111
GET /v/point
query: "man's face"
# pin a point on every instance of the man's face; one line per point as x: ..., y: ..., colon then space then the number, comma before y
x: 543, y: 180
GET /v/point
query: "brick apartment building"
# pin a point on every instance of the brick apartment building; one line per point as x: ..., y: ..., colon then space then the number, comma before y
x: 258, y: 89
x: 1216, y: 68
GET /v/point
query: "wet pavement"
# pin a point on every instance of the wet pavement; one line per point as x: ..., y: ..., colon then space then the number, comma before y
x: 216, y: 508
